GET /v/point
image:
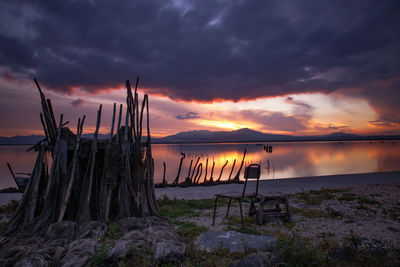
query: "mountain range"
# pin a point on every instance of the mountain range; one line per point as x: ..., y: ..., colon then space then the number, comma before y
x: 205, y: 136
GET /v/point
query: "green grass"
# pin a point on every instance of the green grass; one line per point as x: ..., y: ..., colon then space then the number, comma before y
x: 297, y: 251
x: 10, y: 207
x: 174, y: 208
x: 313, y: 214
x: 188, y: 231
x: 315, y: 197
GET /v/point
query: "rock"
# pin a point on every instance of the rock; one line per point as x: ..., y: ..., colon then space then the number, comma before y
x: 127, y: 244
x: 33, y: 260
x: 64, y: 230
x: 134, y: 223
x: 80, y: 252
x: 253, y: 261
x: 168, y: 251
x: 167, y: 246
x: 93, y: 229
x: 234, y: 241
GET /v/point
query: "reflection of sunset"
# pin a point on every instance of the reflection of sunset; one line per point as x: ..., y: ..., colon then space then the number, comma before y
x: 303, y: 159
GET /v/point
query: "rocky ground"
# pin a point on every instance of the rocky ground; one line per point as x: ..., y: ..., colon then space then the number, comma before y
x: 356, y: 226
x: 336, y: 222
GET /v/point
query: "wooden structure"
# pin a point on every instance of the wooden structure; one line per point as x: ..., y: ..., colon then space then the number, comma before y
x: 89, y: 179
x: 252, y: 171
x: 259, y: 207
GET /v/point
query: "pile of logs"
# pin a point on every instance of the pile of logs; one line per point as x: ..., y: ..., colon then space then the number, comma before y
x: 194, y: 175
x: 84, y: 179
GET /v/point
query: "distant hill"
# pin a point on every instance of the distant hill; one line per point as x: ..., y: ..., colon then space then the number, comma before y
x: 204, y: 136
x: 21, y: 140
x: 248, y: 135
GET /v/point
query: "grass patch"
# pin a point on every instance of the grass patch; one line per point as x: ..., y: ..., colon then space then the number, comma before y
x: 113, y: 231
x: 368, y: 201
x: 297, y: 251
x: 233, y: 223
x: 347, y: 196
x: 188, y: 231
x: 315, y: 197
x: 174, y: 208
x: 312, y: 213
x: 10, y: 207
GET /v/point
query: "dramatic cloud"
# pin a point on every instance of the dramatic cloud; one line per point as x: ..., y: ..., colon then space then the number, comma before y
x: 187, y: 116
x: 209, y: 50
x: 78, y: 102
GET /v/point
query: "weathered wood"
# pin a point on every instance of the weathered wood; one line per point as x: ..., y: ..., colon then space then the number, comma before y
x: 194, y: 168
x: 119, y: 122
x: 89, y: 179
x: 179, y: 168
x: 13, y: 175
x: 197, y: 177
x: 205, y: 175
x: 79, y: 129
x: 212, y: 172
x: 233, y: 167
x: 236, y: 179
x: 222, y: 170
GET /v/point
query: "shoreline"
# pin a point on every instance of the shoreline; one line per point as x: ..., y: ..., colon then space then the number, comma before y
x: 283, y: 185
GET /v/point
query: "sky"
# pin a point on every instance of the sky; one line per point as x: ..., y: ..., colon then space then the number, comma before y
x: 293, y: 67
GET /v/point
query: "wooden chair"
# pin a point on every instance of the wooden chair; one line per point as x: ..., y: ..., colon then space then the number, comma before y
x: 281, y: 209
x: 252, y: 171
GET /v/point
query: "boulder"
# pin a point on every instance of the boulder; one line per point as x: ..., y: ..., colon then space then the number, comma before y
x: 64, y: 230
x: 234, y: 241
x: 92, y: 229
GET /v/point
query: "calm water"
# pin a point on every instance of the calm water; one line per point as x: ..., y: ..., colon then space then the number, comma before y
x: 287, y: 160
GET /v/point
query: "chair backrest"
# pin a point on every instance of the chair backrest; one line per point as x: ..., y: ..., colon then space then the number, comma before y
x: 253, y: 171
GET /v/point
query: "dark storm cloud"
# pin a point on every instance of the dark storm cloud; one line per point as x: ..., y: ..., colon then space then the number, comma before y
x: 188, y: 116
x: 275, y: 120
x: 205, y: 50
x: 78, y: 102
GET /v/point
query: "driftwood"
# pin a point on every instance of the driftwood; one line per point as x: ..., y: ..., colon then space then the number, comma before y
x: 89, y: 179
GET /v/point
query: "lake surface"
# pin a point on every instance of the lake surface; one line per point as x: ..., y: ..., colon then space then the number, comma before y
x: 287, y: 160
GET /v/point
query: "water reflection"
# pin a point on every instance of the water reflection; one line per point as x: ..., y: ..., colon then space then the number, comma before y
x: 286, y: 160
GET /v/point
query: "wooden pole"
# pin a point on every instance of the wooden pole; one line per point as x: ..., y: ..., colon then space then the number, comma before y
x: 222, y: 169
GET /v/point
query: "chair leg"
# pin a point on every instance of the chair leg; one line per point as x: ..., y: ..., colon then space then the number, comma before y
x: 288, y: 216
x: 241, y: 213
x: 215, y: 209
x: 229, y: 205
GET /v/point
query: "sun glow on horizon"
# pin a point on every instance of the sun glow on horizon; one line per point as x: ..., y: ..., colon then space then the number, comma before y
x: 224, y: 124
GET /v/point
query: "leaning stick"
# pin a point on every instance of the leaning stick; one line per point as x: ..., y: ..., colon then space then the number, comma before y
x: 93, y: 156
x: 190, y: 168
x: 119, y: 122
x: 236, y: 179
x: 194, y: 168
x: 12, y: 174
x: 74, y: 163
x: 233, y: 166
x: 198, y: 176
x: 179, y: 169
x: 222, y: 169
x: 163, y: 180
x: 55, y: 163
x: 205, y: 176
x: 113, y: 122
x: 44, y: 127
x: 212, y: 171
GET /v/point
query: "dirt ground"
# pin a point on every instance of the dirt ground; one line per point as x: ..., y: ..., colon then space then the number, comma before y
x: 367, y: 215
